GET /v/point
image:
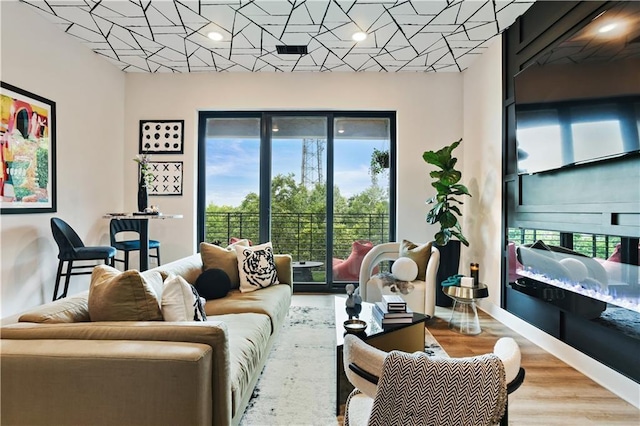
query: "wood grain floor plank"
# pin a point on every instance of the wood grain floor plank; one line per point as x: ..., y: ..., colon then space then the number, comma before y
x: 553, y: 392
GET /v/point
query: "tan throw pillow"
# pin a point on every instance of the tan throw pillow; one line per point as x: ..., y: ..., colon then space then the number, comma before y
x: 257, y: 267
x: 419, y: 254
x: 214, y: 256
x: 121, y: 296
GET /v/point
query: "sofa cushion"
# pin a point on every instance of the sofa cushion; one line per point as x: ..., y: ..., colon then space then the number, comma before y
x: 189, y: 268
x: 221, y: 258
x: 156, y: 278
x: 273, y: 301
x: 121, y: 296
x: 419, y: 254
x: 248, y: 343
x: 181, y: 301
x: 213, y: 284
x: 256, y: 267
x: 66, y: 310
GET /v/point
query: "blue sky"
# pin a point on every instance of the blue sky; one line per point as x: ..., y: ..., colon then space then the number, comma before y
x: 233, y: 164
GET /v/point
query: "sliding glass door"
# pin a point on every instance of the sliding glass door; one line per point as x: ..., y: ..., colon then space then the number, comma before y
x: 317, y: 185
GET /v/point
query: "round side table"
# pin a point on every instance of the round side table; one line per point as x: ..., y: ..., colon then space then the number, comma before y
x: 464, y: 315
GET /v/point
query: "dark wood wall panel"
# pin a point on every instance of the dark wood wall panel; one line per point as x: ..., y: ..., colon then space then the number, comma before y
x: 595, y: 198
x: 544, y: 316
x: 621, y: 351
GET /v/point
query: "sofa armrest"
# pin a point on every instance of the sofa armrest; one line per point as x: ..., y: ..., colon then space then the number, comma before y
x: 379, y: 253
x: 284, y: 268
x: 105, y: 382
x: 431, y: 285
x: 211, y: 333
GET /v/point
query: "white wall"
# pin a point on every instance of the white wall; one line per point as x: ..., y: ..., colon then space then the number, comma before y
x: 89, y: 95
x: 429, y: 116
x: 482, y: 161
x: 482, y: 174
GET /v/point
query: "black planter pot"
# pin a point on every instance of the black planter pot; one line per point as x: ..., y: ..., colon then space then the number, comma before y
x: 143, y: 198
x: 449, y: 262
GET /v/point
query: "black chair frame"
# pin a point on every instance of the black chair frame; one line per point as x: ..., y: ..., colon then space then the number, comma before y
x: 72, y: 249
x: 117, y: 226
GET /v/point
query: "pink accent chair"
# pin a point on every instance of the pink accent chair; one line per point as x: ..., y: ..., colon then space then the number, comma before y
x: 234, y: 240
x: 349, y: 269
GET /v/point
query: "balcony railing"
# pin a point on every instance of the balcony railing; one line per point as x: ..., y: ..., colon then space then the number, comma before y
x: 601, y: 246
x: 303, y: 235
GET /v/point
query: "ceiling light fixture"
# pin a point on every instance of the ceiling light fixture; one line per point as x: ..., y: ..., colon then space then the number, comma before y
x: 340, y: 130
x: 275, y: 129
x: 215, y: 36
x: 359, y: 36
x: 606, y: 28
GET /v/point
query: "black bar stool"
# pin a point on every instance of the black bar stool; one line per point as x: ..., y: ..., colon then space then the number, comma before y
x: 71, y: 249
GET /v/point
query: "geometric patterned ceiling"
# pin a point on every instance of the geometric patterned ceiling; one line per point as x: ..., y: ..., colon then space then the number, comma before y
x: 169, y: 36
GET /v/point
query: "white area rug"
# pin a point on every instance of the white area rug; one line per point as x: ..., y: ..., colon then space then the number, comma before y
x: 298, y: 383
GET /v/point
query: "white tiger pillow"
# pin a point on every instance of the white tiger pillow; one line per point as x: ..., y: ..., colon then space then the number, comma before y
x: 256, y: 267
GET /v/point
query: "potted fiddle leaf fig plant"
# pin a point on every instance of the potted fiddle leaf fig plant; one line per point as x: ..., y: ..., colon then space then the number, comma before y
x: 448, y: 188
x: 445, y: 212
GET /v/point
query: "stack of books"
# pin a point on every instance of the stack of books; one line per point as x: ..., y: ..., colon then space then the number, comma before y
x: 392, y: 310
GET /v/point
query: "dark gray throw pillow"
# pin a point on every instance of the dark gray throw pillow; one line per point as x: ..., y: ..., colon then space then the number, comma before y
x: 213, y: 284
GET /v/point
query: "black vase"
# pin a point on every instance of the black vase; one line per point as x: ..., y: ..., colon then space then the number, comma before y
x: 449, y: 263
x: 143, y: 197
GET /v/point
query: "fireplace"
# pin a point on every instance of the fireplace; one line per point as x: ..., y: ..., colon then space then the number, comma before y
x: 598, y: 299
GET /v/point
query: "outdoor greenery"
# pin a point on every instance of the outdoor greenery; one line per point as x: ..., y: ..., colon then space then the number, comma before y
x: 600, y: 246
x: 298, y: 218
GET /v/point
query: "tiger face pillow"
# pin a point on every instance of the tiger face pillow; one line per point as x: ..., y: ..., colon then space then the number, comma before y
x: 256, y: 267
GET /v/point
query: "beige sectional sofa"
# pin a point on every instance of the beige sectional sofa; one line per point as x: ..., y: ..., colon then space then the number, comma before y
x: 58, y: 367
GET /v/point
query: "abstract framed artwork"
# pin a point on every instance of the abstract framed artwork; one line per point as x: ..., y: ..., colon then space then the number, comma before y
x: 27, y: 152
x: 161, y: 136
x: 167, y: 178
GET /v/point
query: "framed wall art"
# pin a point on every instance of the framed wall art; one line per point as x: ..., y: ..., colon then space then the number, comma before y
x: 161, y: 136
x: 27, y: 152
x: 167, y: 177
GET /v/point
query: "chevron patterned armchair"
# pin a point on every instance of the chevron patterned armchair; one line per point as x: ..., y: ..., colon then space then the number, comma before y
x: 398, y: 388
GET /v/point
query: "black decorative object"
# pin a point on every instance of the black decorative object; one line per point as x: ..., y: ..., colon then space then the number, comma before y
x: 449, y: 262
x: 213, y: 284
x: 143, y: 198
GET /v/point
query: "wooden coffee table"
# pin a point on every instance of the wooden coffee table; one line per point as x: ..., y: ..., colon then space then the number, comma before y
x: 404, y: 337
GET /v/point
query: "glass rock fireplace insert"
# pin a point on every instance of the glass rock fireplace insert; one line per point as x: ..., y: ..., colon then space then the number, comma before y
x: 596, y: 291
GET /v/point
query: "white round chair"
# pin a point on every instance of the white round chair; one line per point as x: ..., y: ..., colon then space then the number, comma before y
x: 422, y: 297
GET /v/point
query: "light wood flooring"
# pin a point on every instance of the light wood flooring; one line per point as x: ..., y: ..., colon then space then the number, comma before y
x: 553, y: 393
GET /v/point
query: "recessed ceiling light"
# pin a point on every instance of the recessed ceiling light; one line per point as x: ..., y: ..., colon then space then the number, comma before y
x: 340, y: 130
x: 607, y: 28
x: 215, y: 36
x: 275, y: 128
x: 359, y: 36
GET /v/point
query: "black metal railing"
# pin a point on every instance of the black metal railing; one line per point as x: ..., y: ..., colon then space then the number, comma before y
x: 303, y: 235
x: 592, y: 245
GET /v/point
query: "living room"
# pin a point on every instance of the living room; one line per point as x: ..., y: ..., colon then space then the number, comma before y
x: 99, y: 107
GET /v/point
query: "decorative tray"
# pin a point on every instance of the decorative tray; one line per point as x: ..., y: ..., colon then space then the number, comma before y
x: 355, y: 326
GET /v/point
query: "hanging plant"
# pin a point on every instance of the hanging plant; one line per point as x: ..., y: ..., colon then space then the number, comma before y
x: 379, y: 162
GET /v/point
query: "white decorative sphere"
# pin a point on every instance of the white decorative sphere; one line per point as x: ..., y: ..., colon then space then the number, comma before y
x: 577, y: 269
x: 405, y: 269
